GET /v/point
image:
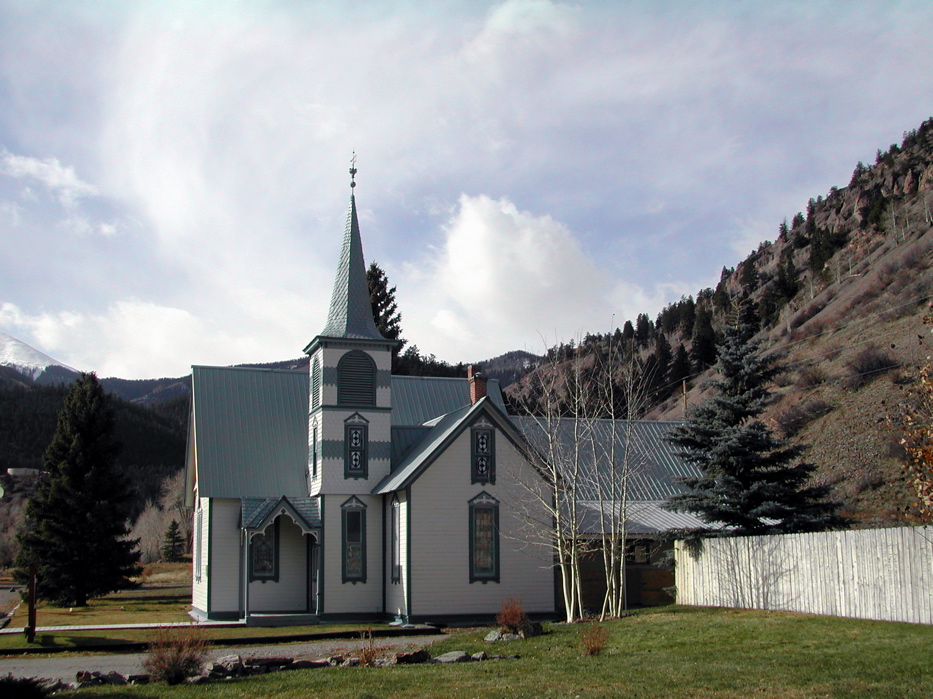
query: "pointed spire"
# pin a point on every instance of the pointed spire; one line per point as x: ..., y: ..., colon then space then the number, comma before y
x: 351, y: 314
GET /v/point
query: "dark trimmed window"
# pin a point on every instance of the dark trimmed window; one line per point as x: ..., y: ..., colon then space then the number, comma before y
x: 353, y: 518
x: 315, y: 384
x: 356, y: 448
x: 483, y: 453
x: 264, y: 554
x: 314, y: 452
x: 356, y: 379
x: 395, y: 513
x: 484, y: 539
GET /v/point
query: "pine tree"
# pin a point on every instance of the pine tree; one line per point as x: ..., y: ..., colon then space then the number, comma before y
x: 751, y: 480
x: 76, y: 524
x: 385, y: 309
x: 172, y: 544
x: 703, y: 349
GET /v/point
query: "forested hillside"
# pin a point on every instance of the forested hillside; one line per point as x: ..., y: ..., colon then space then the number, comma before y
x: 153, y: 442
x: 840, y: 294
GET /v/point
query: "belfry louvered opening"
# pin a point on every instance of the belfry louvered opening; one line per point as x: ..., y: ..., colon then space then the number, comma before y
x: 356, y: 379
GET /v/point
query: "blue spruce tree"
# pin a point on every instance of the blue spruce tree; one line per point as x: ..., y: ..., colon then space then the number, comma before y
x: 751, y: 481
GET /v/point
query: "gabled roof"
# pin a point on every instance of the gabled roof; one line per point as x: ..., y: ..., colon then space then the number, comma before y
x: 417, y: 399
x: 351, y: 314
x: 653, y: 466
x: 250, y: 432
x: 439, y: 437
x: 256, y: 513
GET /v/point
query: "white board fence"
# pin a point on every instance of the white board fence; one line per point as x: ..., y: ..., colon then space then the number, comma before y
x: 884, y: 574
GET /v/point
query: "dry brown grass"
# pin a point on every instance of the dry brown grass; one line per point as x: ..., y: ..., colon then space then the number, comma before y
x: 175, y: 655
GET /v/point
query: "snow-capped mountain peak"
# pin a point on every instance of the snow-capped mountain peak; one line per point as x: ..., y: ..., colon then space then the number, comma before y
x: 27, y: 360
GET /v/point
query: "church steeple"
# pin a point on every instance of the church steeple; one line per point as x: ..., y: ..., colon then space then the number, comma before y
x: 350, y: 314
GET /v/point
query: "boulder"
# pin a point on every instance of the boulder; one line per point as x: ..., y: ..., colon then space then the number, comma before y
x: 269, y: 662
x: 308, y: 664
x: 454, y: 656
x: 413, y: 658
x: 228, y: 665
x: 493, y: 636
x: 114, y: 678
x: 479, y: 656
x: 530, y: 629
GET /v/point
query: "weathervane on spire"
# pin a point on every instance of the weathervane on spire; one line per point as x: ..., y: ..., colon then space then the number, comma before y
x: 353, y: 171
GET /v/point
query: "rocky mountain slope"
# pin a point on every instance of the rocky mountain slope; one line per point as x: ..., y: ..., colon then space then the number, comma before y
x: 840, y: 294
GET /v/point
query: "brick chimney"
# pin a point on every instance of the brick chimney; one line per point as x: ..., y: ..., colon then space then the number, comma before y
x: 477, y: 384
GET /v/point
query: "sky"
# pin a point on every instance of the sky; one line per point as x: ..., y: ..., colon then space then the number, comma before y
x: 174, y: 186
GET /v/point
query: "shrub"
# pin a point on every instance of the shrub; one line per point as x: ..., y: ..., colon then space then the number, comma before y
x: 511, y: 617
x: 22, y: 688
x: 810, y: 376
x: 796, y: 417
x: 869, y: 363
x: 175, y: 655
x: 593, y: 639
x: 369, y: 651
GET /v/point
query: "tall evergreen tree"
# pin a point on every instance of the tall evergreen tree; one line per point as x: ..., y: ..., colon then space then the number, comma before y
x: 172, y: 544
x: 703, y: 349
x: 386, y: 315
x: 750, y: 480
x: 680, y: 367
x: 76, y: 524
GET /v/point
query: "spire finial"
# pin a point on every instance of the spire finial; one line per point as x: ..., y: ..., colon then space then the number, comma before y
x: 353, y: 171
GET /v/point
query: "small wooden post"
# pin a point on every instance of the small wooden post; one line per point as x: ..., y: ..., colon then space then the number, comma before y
x: 30, y: 629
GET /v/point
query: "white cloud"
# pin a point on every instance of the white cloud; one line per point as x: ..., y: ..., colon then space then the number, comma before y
x: 505, y: 279
x: 624, y: 151
x: 131, y: 339
x: 49, y: 172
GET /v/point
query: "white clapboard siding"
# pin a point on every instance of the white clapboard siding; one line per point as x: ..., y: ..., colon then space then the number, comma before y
x: 396, y: 592
x: 883, y: 574
x: 440, y: 565
x: 360, y: 598
x: 225, y: 564
x: 290, y: 592
x: 199, y: 583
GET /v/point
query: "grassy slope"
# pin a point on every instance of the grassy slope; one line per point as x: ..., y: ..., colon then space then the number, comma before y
x: 669, y: 652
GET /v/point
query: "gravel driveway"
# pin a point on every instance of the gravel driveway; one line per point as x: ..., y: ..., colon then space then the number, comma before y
x: 65, y: 668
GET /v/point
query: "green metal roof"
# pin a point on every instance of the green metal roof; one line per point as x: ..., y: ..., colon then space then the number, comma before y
x: 654, y: 468
x: 438, y: 438
x: 250, y: 431
x: 351, y: 314
x: 417, y: 399
x: 254, y: 510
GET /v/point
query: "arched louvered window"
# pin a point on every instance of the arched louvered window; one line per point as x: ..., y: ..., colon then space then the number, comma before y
x: 356, y: 379
x: 315, y: 384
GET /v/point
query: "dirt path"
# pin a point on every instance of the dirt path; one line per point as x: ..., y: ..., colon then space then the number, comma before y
x: 65, y: 668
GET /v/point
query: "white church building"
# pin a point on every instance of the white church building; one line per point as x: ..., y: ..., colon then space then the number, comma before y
x: 343, y: 492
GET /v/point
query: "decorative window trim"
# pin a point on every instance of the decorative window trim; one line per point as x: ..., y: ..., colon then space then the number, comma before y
x: 482, y: 452
x: 395, y: 529
x: 198, y: 544
x: 356, y: 447
x: 268, y: 538
x: 356, y: 379
x: 315, y: 383
x: 484, y: 525
x: 353, y: 553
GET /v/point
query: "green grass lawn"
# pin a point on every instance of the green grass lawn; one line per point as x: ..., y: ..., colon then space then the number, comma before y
x: 164, y: 596
x: 665, y: 652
